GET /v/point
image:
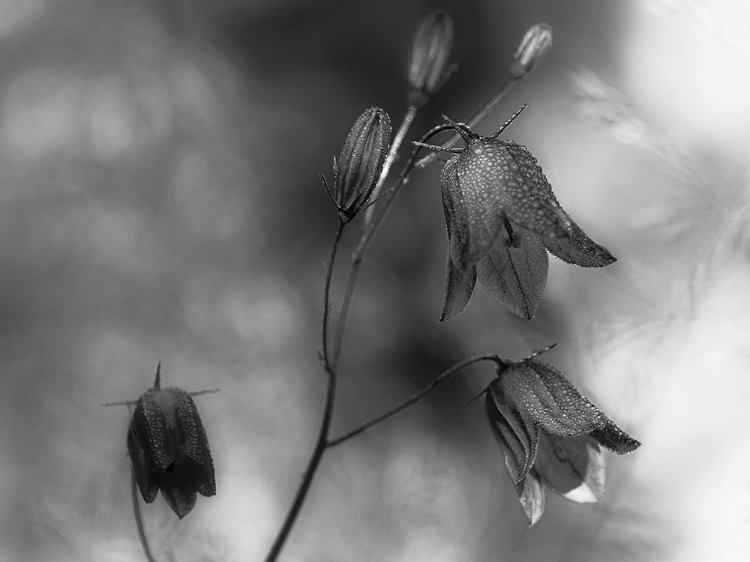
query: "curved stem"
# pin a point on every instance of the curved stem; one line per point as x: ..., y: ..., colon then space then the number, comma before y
x: 438, y: 381
x: 327, y: 294
x: 476, y: 118
x: 320, y: 445
x: 139, y: 518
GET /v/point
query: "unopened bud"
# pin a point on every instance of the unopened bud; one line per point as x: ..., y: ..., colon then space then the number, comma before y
x: 429, y: 57
x: 534, y: 45
x: 358, y: 169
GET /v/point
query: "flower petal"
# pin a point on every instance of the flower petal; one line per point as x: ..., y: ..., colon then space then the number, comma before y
x: 515, y: 276
x: 457, y: 220
x: 139, y: 457
x: 538, y: 388
x: 177, y: 485
x: 195, y: 446
x: 459, y: 285
x: 154, y: 418
x: 579, y: 249
x: 615, y: 439
x: 516, y: 434
x: 571, y: 466
x: 531, y: 495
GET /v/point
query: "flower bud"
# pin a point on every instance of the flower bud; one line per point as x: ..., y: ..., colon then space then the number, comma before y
x: 358, y: 169
x: 169, y: 448
x: 429, y: 57
x: 534, y: 45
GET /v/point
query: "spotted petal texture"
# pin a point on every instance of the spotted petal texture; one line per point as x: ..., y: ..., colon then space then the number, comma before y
x: 579, y: 249
x: 169, y: 449
x: 491, y: 180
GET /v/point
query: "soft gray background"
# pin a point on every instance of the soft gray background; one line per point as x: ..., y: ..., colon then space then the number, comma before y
x: 160, y: 200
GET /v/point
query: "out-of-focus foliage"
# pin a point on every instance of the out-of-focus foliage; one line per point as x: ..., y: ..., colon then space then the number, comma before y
x: 160, y: 200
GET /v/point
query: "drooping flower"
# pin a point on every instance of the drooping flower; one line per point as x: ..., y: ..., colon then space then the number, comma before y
x: 169, y: 448
x: 358, y: 169
x: 501, y: 214
x: 429, y: 58
x: 550, y: 434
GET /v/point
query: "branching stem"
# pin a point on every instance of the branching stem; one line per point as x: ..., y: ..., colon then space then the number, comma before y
x: 476, y: 118
x: 438, y: 381
x: 320, y: 445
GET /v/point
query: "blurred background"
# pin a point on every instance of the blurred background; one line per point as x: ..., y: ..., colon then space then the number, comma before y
x: 160, y: 201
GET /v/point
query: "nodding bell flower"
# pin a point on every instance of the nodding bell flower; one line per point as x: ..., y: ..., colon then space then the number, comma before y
x: 501, y: 216
x: 535, y: 43
x: 429, y: 58
x: 357, y: 171
x: 550, y: 434
x: 169, y: 448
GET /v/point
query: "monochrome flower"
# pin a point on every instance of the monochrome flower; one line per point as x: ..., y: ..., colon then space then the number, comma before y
x: 550, y: 434
x: 429, y: 58
x: 501, y: 214
x: 169, y: 449
x: 358, y: 169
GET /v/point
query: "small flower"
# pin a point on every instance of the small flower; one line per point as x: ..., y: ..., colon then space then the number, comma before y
x: 501, y: 213
x: 429, y: 57
x: 550, y: 434
x: 358, y: 170
x: 535, y: 43
x: 169, y: 448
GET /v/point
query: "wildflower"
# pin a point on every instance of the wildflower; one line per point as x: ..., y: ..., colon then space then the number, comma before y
x: 429, y: 57
x: 358, y: 170
x: 169, y: 448
x: 535, y: 43
x: 501, y: 214
x: 550, y: 434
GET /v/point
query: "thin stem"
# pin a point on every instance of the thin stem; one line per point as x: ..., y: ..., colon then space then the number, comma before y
x: 476, y: 118
x: 139, y: 518
x: 406, y: 124
x: 327, y: 293
x: 438, y: 381
x: 368, y: 234
x: 320, y: 445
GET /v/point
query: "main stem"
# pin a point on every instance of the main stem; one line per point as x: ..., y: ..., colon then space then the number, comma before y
x: 320, y: 445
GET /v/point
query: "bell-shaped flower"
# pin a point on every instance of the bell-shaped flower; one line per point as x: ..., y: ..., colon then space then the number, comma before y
x: 501, y: 216
x: 358, y: 169
x: 169, y: 448
x: 550, y: 434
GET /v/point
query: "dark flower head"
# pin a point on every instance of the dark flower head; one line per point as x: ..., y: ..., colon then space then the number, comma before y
x: 550, y: 434
x: 429, y: 57
x: 169, y: 448
x: 358, y: 169
x: 501, y: 215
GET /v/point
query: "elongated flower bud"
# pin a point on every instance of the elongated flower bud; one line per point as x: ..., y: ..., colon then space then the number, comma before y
x: 429, y: 57
x: 358, y: 169
x: 534, y: 45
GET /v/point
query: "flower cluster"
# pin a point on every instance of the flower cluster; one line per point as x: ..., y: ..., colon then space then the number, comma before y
x: 550, y: 434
